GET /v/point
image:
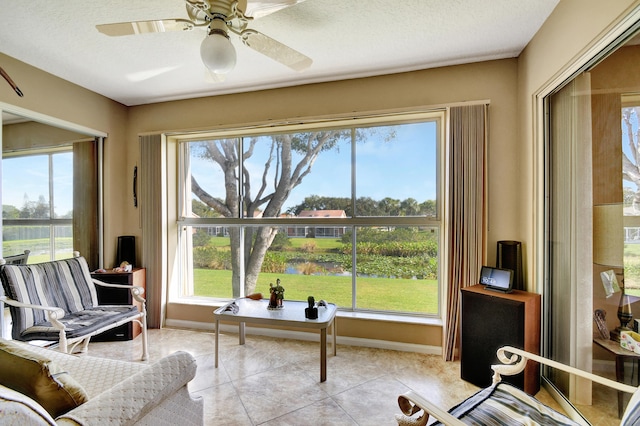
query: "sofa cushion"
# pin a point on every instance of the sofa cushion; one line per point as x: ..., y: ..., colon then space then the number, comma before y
x: 65, y: 284
x: 632, y: 413
x: 37, y: 377
x: 504, y: 404
x: 80, y: 323
x: 18, y: 409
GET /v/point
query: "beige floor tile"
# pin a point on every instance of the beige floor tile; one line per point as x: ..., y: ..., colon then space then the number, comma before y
x: 276, y: 392
x: 321, y: 413
x: 271, y: 381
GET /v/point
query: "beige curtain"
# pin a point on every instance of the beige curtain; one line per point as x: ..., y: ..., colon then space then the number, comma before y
x: 152, y: 185
x: 568, y: 293
x: 85, y: 201
x: 466, y: 214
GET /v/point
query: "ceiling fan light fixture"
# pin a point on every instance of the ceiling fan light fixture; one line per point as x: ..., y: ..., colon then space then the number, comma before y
x: 217, y: 52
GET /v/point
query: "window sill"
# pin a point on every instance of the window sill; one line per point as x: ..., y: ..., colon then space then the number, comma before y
x: 371, y: 316
x: 391, y: 317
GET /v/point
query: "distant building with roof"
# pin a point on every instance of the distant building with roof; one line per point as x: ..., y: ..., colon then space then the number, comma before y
x: 318, y: 231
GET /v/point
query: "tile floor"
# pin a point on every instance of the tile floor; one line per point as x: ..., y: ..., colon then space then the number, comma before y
x: 271, y: 381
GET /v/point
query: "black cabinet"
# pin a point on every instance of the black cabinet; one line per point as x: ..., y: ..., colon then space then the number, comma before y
x: 491, y: 320
x: 119, y: 296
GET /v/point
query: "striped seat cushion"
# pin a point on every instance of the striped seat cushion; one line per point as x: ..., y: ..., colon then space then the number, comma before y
x: 504, y: 404
x: 80, y: 323
x: 65, y: 284
x: 631, y: 415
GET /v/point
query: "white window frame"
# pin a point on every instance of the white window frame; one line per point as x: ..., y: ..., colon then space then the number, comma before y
x: 439, y: 116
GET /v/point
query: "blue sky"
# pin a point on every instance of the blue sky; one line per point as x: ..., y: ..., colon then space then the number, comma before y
x: 404, y: 167
x: 627, y: 150
x: 29, y: 175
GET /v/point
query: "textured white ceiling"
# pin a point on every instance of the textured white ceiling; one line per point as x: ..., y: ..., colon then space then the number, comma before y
x: 345, y: 39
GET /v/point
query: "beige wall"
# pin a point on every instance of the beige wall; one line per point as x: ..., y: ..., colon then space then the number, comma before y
x: 495, y: 81
x: 51, y: 96
x: 574, y: 27
x: 508, y: 84
x: 32, y: 135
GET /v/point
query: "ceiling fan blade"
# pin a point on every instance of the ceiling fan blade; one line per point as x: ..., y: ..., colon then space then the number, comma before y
x: 142, y: 27
x: 275, y: 50
x: 259, y: 8
x: 196, y: 10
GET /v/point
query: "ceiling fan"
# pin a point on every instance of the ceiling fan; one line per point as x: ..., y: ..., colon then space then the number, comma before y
x: 220, y: 17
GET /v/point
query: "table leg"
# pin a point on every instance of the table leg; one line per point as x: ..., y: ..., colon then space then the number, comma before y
x: 620, y: 378
x: 323, y: 354
x: 241, y: 333
x: 334, y: 331
x: 216, y: 342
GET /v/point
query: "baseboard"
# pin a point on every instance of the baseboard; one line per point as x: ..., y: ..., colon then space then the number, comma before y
x: 313, y: 337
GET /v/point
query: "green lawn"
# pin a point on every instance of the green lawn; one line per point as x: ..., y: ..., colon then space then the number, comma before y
x: 39, y: 248
x: 416, y: 296
x: 632, y: 268
x: 388, y: 294
x: 297, y: 244
x: 319, y: 244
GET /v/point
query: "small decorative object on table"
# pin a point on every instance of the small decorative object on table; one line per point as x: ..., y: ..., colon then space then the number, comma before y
x: 255, y: 296
x: 600, y: 318
x: 630, y: 340
x: 124, y: 267
x: 276, y: 298
x: 232, y: 307
x: 311, y: 312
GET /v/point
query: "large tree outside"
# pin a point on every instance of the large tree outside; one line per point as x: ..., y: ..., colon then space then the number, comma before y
x: 631, y: 193
x: 283, y: 205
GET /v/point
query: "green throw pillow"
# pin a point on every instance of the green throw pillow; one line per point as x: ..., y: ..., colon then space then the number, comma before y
x: 39, y: 378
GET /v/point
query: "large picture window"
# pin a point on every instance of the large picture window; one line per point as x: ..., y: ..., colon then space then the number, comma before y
x: 345, y: 213
x: 37, y: 204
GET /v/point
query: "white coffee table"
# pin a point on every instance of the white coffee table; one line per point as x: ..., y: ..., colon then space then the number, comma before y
x: 292, y: 315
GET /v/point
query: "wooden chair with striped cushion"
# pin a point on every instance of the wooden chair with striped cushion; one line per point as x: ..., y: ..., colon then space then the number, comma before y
x: 504, y: 404
x: 57, y: 301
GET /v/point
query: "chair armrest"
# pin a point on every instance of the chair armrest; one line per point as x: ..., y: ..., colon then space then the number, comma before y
x: 429, y: 408
x: 136, y: 291
x: 134, y: 397
x: 515, y: 363
x: 53, y: 312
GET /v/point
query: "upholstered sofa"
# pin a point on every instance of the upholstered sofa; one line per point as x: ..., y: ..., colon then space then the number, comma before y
x: 46, y: 387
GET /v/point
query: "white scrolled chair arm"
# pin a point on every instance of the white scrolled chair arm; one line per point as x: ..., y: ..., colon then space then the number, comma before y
x: 510, y: 365
x: 136, y: 291
x: 566, y: 368
x: 52, y: 311
x: 133, y: 398
x: 513, y: 365
x: 433, y: 410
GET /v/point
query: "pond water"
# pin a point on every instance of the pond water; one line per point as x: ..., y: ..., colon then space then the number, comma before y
x: 315, y: 268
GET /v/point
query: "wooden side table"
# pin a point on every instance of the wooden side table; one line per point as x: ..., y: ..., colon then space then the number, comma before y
x: 621, y: 354
x: 119, y: 296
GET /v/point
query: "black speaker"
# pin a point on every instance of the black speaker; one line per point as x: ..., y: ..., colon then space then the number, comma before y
x: 488, y: 323
x: 510, y: 257
x: 126, y: 250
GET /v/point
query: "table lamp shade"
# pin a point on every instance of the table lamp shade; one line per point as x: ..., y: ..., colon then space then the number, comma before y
x: 608, y: 235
